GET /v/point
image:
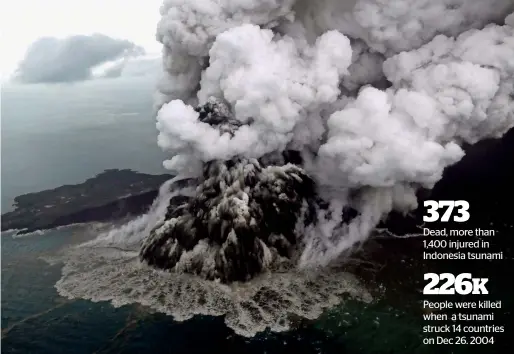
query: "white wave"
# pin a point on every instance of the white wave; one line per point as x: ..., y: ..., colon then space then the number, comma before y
x: 18, y: 233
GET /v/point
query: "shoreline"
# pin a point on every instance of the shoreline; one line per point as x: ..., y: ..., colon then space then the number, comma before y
x: 111, y: 195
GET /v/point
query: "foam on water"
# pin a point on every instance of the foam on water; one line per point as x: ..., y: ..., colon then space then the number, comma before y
x: 268, y: 301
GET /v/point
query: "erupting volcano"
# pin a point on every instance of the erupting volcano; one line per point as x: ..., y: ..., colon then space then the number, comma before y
x: 297, y: 127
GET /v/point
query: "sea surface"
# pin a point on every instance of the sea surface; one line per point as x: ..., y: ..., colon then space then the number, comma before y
x: 63, y: 134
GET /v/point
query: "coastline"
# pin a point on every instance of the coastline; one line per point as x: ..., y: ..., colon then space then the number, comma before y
x: 111, y: 195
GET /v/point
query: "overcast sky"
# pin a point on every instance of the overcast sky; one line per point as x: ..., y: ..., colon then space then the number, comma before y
x: 24, y: 21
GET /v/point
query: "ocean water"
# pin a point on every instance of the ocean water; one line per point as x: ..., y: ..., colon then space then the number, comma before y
x: 58, y: 134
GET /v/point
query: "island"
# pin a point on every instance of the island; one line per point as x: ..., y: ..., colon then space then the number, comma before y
x: 110, y: 195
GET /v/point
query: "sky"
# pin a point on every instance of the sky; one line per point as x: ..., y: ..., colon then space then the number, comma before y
x: 24, y: 21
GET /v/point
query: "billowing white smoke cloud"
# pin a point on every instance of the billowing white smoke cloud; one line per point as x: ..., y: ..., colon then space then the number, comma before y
x: 446, y: 92
x: 391, y: 27
x: 188, y: 29
x: 277, y: 97
x: 295, y: 75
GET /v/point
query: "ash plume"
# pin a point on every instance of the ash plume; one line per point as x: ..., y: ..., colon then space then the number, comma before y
x: 375, y: 99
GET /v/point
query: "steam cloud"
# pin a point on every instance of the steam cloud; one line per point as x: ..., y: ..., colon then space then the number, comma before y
x: 376, y: 97
x: 50, y: 60
x: 299, y: 125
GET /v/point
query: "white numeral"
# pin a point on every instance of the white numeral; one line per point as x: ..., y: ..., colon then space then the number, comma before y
x: 449, y: 204
x: 463, y: 208
x: 432, y: 207
x: 463, y: 284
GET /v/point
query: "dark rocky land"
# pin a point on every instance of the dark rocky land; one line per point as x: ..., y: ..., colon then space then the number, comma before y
x: 111, y: 195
